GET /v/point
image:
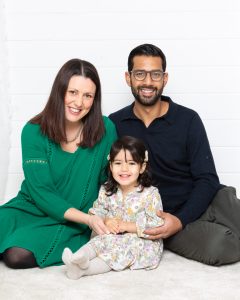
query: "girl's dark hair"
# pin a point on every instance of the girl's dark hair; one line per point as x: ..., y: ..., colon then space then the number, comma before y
x: 146, y: 50
x: 138, y: 151
x: 52, y: 118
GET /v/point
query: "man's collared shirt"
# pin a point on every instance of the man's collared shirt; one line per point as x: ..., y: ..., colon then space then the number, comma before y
x: 179, y: 155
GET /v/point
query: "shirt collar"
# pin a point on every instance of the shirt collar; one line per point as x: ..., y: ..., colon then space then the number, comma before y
x: 137, y: 189
x: 169, y: 116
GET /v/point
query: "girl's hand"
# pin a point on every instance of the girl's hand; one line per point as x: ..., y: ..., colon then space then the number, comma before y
x: 112, y: 225
x: 122, y: 226
x: 97, y: 224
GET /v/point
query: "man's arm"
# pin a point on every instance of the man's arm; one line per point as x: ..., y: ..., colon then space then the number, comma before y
x: 203, y: 173
x: 205, y: 183
x: 171, y: 226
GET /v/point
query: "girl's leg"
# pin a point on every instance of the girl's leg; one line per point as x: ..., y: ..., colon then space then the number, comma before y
x: 96, y: 266
x: 83, y: 256
x: 78, y: 261
x: 19, y: 258
x: 83, y: 262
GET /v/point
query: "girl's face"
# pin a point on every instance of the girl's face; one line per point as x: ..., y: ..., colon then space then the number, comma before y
x: 79, y: 98
x: 126, y: 171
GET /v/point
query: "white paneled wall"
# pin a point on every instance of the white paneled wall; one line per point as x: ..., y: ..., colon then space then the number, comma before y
x: 4, y: 105
x: 201, y: 40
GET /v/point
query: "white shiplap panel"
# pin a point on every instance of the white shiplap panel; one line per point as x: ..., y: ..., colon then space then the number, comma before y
x: 32, y: 80
x: 16, y: 129
x: 181, y: 80
x: 204, y: 80
x: 13, y: 185
x: 211, y: 106
x: 72, y: 26
x: 24, y: 107
x: 15, y: 165
x: 227, y: 159
x: 123, y: 6
x: 223, y: 133
x: 114, y: 54
x: 231, y: 180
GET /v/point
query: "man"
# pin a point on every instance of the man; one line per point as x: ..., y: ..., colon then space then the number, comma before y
x: 202, y: 217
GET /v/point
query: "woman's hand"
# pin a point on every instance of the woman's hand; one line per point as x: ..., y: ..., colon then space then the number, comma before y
x: 93, y: 221
x: 112, y: 225
x: 97, y: 224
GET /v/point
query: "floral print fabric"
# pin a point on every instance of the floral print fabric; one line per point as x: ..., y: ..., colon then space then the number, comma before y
x: 129, y: 250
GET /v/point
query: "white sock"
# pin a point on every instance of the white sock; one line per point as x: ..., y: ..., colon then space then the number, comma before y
x: 83, y: 255
x: 96, y: 266
x: 73, y: 270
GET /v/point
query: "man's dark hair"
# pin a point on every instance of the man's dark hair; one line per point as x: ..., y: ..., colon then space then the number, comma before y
x: 146, y: 50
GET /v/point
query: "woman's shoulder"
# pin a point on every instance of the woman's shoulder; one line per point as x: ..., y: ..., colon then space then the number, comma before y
x: 32, y: 132
x: 108, y: 123
x: 110, y: 129
x: 30, y: 129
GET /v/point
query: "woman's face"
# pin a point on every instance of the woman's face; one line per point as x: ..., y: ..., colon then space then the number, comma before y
x: 79, y: 98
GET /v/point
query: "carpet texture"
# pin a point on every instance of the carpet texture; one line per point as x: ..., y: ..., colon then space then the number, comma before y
x: 176, y: 278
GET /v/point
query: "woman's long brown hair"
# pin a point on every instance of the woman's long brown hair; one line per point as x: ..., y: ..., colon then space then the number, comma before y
x: 52, y: 118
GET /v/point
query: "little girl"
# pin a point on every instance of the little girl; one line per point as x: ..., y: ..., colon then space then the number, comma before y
x: 127, y: 203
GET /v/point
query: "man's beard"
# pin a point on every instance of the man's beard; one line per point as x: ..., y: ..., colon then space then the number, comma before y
x: 147, y: 101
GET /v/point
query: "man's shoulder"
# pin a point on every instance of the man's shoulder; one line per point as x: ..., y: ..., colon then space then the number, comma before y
x: 186, y: 113
x: 186, y: 110
x: 121, y: 113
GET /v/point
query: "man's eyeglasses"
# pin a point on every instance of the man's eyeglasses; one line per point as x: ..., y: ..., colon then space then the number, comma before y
x: 156, y: 75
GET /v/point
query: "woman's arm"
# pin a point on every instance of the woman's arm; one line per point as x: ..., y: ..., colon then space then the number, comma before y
x: 39, y: 184
x: 93, y: 221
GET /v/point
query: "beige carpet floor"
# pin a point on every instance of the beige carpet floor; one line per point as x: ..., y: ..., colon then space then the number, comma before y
x: 176, y: 278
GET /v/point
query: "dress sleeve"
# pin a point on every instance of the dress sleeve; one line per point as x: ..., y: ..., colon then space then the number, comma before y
x: 100, y: 206
x: 41, y: 187
x: 148, y: 217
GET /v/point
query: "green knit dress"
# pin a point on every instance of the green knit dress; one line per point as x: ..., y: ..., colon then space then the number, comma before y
x: 55, y: 181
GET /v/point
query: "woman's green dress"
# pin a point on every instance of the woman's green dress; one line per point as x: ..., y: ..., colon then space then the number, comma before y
x: 55, y: 181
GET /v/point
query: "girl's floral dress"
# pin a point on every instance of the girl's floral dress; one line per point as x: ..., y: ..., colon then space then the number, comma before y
x: 129, y: 250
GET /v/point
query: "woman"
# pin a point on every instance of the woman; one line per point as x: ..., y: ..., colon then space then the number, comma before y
x: 64, y: 152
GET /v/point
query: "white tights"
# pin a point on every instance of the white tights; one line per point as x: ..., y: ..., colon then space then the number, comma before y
x: 83, y: 262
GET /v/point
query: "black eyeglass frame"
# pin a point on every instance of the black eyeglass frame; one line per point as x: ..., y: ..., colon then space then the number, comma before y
x: 133, y: 72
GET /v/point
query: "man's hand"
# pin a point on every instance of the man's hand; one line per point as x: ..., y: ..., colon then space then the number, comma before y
x: 112, y: 225
x: 171, y: 226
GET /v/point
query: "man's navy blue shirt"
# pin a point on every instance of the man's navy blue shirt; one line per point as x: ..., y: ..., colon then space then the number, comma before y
x: 179, y: 155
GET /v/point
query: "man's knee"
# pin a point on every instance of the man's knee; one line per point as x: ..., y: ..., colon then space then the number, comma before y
x: 222, y: 249
x: 206, y: 242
